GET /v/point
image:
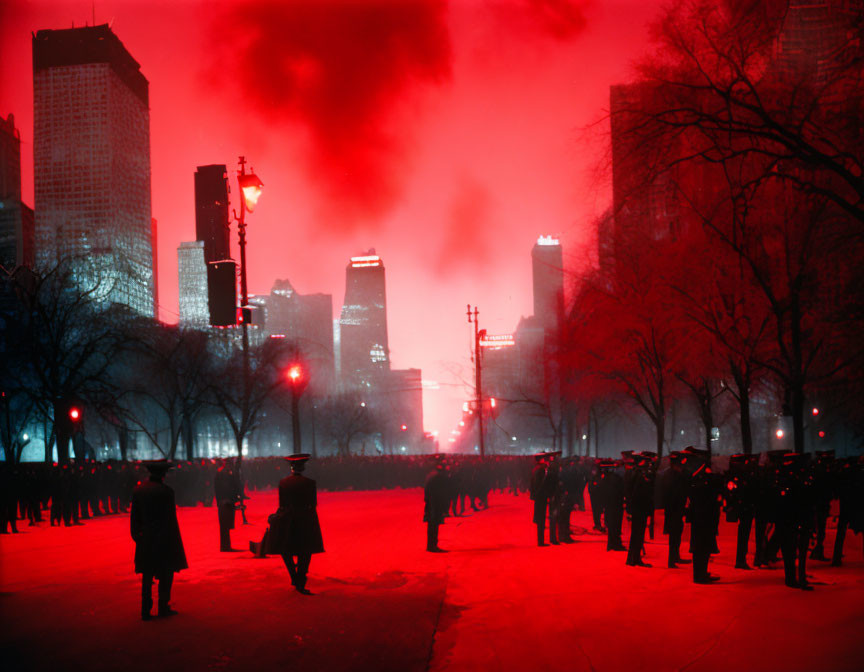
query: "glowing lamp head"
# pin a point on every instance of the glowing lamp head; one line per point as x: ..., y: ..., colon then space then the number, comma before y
x: 404, y: 428
x: 74, y: 414
x: 821, y: 434
x: 250, y: 185
x: 779, y: 433
x: 815, y: 411
x: 295, y: 373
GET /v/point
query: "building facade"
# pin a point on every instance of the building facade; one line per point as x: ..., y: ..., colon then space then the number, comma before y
x: 547, y: 265
x: 16, y: 219
x: 363, y: 342
x: 192, y: 282
x: 92, y: 163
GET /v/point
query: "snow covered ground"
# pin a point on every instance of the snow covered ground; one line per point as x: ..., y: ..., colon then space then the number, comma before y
x: 69, y: 600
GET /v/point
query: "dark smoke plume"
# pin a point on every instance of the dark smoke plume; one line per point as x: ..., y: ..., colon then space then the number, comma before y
x: 340, y: 69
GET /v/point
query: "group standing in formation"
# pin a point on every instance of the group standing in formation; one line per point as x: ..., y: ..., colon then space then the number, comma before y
x: 785, y: 501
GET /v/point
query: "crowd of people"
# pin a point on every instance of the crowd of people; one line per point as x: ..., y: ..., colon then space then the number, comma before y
x: 782, y: 499
x: 785, y: 499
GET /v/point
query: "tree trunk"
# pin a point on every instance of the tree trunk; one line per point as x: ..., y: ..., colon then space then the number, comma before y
x: 188, y: 436
x: 660, y: 424
x: 123, y: 441
x: 63, y: 433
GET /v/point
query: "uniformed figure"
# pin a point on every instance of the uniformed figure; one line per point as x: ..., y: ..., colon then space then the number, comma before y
x: 436, y: 501
x: 823, y: 490
x: 703, y: 514
x: 158, y: 545
x: 295, y: 534
x: 538, y: 495
x: 640, y: 504
x: 850, y: 486
x: 794, y: 518
x: 611, y: 494
x: 674, y: 502
x: 741, y: 502
x: 594, y: 493
x: 225, y: 487
x: 552, y: 494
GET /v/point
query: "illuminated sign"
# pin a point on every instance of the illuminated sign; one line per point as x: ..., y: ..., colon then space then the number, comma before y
x: 547, y: 241
x: 499, y: 341
x: 366, y: 261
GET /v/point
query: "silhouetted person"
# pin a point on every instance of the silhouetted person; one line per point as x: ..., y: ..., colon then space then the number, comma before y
x: 539, y: 496
x: 703, y: 514
x: 296, y: 534
x: 612, y: 496
x: 436, y: 499
x: 158, y: 545
x: 741, y: 502
x: 225, y: 487
x: 674, y: 500
x: 640, y: 504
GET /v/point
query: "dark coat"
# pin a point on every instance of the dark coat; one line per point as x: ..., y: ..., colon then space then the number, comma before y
x: 153, y: 522
x: 436, y: 497
x: 294, y: 528
x: 538, y: 493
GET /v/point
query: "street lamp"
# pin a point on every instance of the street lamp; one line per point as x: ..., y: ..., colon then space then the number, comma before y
x: 478, y: 367
x: 298, y: 380
x: 250, y: 187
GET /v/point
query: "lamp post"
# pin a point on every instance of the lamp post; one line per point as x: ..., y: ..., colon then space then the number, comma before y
x: 298, y: 380
x: 250, y: 190
x: 478, y: 367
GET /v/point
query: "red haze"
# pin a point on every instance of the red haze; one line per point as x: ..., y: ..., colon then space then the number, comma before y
x: 444, y: 135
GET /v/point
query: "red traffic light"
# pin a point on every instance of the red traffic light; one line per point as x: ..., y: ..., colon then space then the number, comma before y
x: 294, y: 373
x: 74, y: 414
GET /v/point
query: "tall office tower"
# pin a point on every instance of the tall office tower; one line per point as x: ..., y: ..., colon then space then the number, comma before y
x: 16, y: 219
x: 192, y: 277
x: 92, y: 162
x: 307, y: 320
x: 548, y: 272
x: 211, y: 211
x: 364, y: 349
x: 155, y: 248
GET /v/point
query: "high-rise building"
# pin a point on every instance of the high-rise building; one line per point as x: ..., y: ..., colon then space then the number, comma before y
x: 155, y: 248
x: 307, y: 321
x: 16, y: 219
x: 92, y: 162
x: 547, y: 266
x: 364, y: 349
x: 192, y: 280
x: 211, y: 211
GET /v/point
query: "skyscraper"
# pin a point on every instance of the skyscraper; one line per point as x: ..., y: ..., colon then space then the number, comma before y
x: 16, y: 219
x: 364, y: 349
x: 92, y: 162
x: 211, y: 211
x: 192, y: 281
x: 548, y: 272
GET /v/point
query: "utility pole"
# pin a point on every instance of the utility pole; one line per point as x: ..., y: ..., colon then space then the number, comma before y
x: 478, y: 375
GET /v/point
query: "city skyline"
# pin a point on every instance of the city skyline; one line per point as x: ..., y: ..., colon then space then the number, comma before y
x: 472, y: 130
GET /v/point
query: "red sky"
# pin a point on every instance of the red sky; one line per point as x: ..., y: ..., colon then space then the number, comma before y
x: 447, y: 136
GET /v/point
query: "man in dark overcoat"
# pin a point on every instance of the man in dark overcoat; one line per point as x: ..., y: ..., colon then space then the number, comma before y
x: 539, y: 495
x: 158, y: 546
x: 436, y: 500
x: 225, y: 487
x: 703, y: 513
x: 297, y: 533
x: 674, y: 501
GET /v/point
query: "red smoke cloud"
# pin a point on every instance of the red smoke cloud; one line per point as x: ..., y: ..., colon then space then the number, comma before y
x: 340, y: 69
